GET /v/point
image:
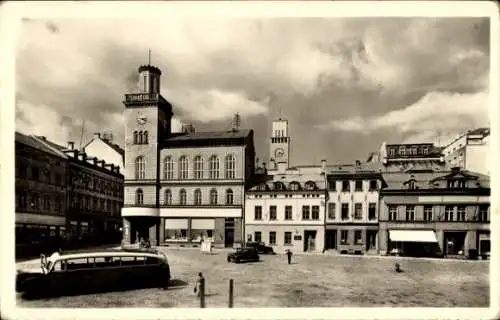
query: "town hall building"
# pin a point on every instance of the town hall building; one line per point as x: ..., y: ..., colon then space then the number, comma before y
x: 181, y: 188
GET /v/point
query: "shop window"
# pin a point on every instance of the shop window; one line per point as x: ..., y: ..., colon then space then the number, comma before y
x: 358, y: 237
x: 344, y: 234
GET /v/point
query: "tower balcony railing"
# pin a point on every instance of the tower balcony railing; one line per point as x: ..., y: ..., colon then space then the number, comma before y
x: 141, y: 97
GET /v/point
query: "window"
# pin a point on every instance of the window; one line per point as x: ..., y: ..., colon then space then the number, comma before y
x: 346, y: 186
x: 272, y: 237
x: 213, y: 197
x: 331, y: 211
x: 197, y: 197
x: 410, y: 213
x: 272, y: 213
x: 257, y: 236
x: 35, y: 173
x: 448, y: 213
x: 483, y: 213
x: 140, y: 168
x: 288, y: 212
x: 332, y: 185
x: 358, y: 211
x: 136, y: 139
x: 372, y: 211
x: 22, y: 200
x: 168, y: 197
x: 305, y: 213
x: 258, y: 213
x: 214, y: 167
x: 35, y: 201
x: 230, y: 165
x: 315, y: 212
x: 182, y: 197
x: 425, y: 150
x: 139, y: 197
x: 168, y: 168
x: 373, y: 185
x: 183, y: 168
x: 57, y: 179
x: 345, y: 211
x: 46, y: 202
x: 358, y: 185
x: 145, y: 137
x: 461, y: 213
x: 310, y: 185
x: 402, y: 151
x: 229, y: 196
x: 392, y: 151
x: 294, y: 186
x: 344, y: 237
x: 57, y: 200
x: 393, y: 213
x: 198, y: 167
x: 427, y: 213
x: 288, y: 238
x: 358, y: 237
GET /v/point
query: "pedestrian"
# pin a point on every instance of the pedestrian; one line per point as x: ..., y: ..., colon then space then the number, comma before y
x: 289, y: 255
x: 197, y: 286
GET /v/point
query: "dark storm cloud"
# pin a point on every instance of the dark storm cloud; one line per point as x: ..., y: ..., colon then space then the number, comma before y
x: 356, y: 79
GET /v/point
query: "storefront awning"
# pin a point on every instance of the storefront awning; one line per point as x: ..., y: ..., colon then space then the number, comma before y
x: 203, y: 224
x: 176, y: 224
x: 412, y: 236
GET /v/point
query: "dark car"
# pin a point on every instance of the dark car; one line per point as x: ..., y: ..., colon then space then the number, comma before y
x: 245, y: 254
x: 260, y: 247
x: 90, y: 272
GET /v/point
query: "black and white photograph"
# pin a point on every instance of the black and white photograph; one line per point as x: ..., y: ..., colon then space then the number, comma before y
x: 234, y: 156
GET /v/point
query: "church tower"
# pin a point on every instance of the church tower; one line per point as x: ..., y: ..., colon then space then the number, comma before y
x: 280, y: 143
x: 148, y: 118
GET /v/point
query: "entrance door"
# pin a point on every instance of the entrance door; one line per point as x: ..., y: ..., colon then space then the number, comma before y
x: 371, y: 239
x: 331, y: 239
x: 229, y: 232
x: 309, y: 240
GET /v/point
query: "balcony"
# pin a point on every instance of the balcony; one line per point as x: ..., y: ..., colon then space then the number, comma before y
x: 141, y: 98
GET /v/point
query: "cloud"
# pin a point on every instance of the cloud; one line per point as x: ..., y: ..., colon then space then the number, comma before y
x: 435, y: 115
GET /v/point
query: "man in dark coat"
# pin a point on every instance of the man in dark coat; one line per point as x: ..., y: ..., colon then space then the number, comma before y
x: 289, y: 255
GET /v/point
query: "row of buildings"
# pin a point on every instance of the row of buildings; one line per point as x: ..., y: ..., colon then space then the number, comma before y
x: 66, y: 196
x: 181, y: 188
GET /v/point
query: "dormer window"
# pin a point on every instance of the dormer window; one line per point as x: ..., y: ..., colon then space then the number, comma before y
x: 456, y: 184
x: 279, y: 186
x: 294, y: 186
x: 262, y: 187
x: 402, y: 150
x: 310, y: 185
x: 411, y: 184
x: 346, y: 186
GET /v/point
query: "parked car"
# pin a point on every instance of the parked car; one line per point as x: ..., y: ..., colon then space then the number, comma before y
x: 88, y: 272
x: 245, y: 254
x: 260, y: 247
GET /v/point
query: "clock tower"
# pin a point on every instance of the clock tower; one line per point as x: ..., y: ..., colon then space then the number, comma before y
x: 147, y: 123
x: 280, y: 142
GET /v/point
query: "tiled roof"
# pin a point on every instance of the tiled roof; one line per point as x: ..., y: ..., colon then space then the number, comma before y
x: 395, y: 180
x: 480, y: 131
x: 210, y: 135
x: 115, y: 147
x: 38, y: 143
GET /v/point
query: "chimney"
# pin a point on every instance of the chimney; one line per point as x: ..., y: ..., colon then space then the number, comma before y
x: 95, y: 161
x: 107, y: 136
x: 97, y: 135
x: 323, y: 165
x: 43, y: 138
x: 71, y: 145
x: 358, y: 163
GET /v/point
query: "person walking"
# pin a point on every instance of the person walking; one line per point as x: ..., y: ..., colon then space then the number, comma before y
x: 197, y: 286
x: 289, y: 256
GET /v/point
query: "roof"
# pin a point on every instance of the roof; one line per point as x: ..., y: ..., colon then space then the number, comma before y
x: 109, y: 253
x: 112, y: 145
x: 479, y: 131
x: 39, y: 143
x: 210, y: 135
x: 396, y: 180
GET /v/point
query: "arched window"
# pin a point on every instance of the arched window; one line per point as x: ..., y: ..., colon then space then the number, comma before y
x: 213, y: 197
x: 183, y: 167
x: 229, y: 196
x: 310, y: 185
x: 197, y: 197
x: 168, y: 168
x: 294, y: 185
x: 214, y: 167
x: 145, y: 137
x: 230, y: 167
x: 136, y: 140
x: 139, y: 197
x: 198, y: 167
x: 139, y: 137
x: 279, y: 186
x: 168, y: 197
x: 182, y: 197
x: 140, y: 168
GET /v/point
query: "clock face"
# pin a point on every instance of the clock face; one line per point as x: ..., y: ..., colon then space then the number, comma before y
x: 141, y: 119
x: 278, y: 153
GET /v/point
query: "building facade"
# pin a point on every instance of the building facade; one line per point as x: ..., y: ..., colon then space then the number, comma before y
x: 353, y: 208
x: 103, y: 147
x: 286, y: 210
x: 470, y: 151
x: 443, y: 213
x: 181, y: 188
x: 41, y: 194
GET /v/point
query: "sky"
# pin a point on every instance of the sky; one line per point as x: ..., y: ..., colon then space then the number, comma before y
x: 344, y: 84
